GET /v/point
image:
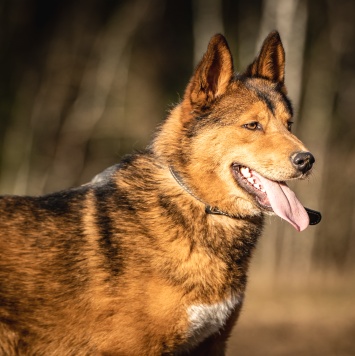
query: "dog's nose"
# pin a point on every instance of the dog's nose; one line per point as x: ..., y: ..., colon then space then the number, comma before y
x: 303, y: 161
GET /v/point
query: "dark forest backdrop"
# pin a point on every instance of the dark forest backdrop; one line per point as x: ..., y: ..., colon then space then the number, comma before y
x: 84, y: 82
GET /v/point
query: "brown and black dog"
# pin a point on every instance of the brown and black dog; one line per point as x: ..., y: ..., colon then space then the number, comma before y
x: 151, y: 257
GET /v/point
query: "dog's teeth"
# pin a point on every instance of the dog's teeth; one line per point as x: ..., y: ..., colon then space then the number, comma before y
x: 263, y: 190
x: 257, y: 186
x: 251, y: 180
x: 245, y: 171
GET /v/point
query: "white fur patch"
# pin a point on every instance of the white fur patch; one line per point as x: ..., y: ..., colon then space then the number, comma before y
x: 207, y: 319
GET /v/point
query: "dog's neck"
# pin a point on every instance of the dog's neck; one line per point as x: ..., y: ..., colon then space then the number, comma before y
x: 208, y: 208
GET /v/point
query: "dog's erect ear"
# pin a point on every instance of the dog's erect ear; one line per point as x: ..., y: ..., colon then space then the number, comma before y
x: 212, y: 75
x: 270, y: 64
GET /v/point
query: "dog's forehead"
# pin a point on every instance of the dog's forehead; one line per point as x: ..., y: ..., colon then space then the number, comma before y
x: 258, y: 89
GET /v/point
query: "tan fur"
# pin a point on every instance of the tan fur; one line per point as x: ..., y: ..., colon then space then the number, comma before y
x: 131, y: 263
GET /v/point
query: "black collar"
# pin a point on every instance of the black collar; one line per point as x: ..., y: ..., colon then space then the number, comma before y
x: 314, y: 216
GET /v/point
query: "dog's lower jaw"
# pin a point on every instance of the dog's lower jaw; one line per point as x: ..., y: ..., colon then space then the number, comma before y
x: 248, y: 207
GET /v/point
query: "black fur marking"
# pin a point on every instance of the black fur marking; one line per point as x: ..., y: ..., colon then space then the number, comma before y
x: 60, y: 203
x: 69, y: 205
x: 266, y: 99
x: 108, y: 242
x: 193, y: 128
x: 127, y: 160
x: 174, y: 211
x: 202, y: 116
x: 287, y: 103
x: 122, y: 199
x: 263, y: 95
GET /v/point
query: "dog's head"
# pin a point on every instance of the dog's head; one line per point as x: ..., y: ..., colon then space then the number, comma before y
x: 231, y: 139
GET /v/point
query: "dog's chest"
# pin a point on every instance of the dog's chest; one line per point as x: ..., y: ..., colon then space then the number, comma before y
x: 207, y: 319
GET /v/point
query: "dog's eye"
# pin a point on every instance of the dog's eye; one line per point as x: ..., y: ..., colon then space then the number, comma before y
x: 289, y: 125
x: 254, y: 125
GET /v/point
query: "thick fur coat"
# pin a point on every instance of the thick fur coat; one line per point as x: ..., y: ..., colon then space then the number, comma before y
x: 151, y: 257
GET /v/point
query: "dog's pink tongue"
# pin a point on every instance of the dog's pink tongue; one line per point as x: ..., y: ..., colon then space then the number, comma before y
x: 285, y: 203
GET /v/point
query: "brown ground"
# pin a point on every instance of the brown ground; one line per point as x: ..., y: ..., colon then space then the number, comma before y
x: 313, y: 320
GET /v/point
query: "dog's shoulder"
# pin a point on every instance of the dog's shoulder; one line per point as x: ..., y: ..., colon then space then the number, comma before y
x: 137, y: 163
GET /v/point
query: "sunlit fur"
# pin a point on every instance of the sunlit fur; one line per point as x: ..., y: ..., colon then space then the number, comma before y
x: 131, y: 263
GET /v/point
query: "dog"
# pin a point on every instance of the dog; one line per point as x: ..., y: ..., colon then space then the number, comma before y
x: 151, y: 256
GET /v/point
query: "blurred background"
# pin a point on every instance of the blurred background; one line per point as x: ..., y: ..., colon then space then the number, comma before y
x: 84, y: 82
